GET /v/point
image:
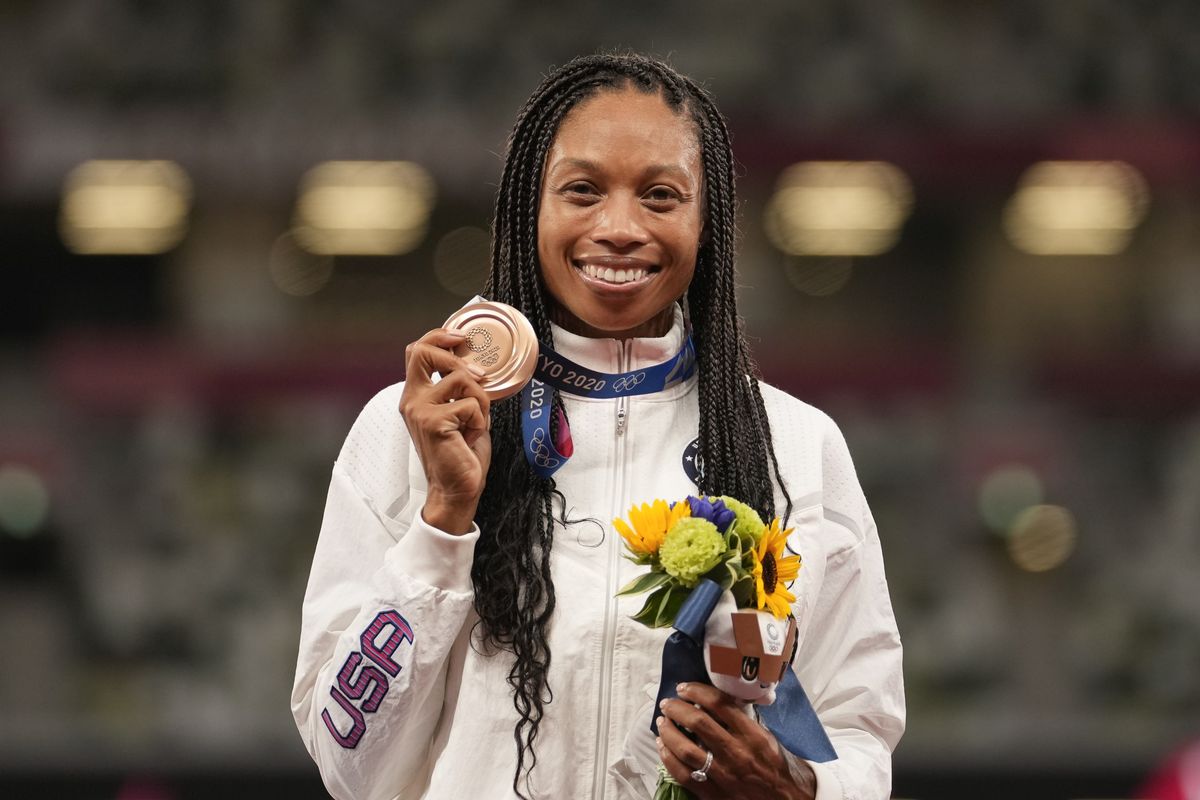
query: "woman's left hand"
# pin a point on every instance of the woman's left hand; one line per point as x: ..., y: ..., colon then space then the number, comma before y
x: 746, y: 758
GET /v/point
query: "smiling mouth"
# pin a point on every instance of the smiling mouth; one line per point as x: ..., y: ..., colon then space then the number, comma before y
x: 615, y: 276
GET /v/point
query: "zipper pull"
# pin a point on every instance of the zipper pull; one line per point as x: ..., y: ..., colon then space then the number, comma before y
x: 621, y: 412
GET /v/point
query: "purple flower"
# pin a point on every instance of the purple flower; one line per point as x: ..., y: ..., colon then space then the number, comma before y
x: 714, y: 511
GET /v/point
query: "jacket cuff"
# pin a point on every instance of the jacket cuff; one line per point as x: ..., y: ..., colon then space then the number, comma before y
x: 829, y: 785
x: 435, y: 557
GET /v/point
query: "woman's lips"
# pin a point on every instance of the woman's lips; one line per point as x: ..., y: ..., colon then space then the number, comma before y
x: 615, y: 271
x: 615, y: 277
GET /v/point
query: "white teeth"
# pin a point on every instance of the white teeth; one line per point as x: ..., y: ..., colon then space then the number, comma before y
x: 609, y: 275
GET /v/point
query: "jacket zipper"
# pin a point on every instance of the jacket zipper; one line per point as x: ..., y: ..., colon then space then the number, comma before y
x: 600, y: 772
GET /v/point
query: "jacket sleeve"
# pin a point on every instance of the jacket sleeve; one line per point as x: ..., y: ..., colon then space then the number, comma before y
x: 850, y: 658
x: 387, y: 598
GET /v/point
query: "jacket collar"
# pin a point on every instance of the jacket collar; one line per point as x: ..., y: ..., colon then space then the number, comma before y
x: 621, y: 355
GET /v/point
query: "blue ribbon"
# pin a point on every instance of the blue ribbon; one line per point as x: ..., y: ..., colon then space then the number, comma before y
x: 565, y: 375
x: 791, y: 718
x: 562, y: 374
x: 536, y: 407
x: 794, y: 721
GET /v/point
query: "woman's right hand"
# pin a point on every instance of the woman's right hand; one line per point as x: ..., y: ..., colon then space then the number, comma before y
x: 448, y: 423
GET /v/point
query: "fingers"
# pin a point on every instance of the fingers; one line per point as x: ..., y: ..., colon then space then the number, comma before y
x: 689, y: 757
x: 674, y: 742
x: 433, y: 406
x: 465, y: 413
x: 712, y: 734
x: 431, y: 353
x: 442, y: 337
x: 457, y: 386
x: 438, y: 337
x: 455, y: 403
x: 679, y: 755
x: 744, y: 754
x: 728, y: 711
x: 447, y: 422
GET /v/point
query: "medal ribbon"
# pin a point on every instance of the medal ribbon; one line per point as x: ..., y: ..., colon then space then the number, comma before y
x: 556, y: 373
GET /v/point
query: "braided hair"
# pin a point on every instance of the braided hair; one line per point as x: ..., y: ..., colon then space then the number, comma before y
x: 514, y: 593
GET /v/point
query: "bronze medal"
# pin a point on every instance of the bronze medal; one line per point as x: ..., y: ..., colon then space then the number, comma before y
x: 500, y: 341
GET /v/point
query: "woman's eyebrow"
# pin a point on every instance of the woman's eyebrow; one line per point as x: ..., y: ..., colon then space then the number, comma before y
x: 575, y: 163
x: 673, y: 170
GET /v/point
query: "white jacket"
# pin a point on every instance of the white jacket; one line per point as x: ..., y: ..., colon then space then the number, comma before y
x: 392, y: 699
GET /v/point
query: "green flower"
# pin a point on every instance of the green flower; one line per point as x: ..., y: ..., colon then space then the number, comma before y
x: 691, y: 548
x: 748, y: 525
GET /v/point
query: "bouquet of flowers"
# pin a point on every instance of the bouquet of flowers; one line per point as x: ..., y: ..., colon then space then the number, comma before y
x: 725, y: 541
x: 718, y: 538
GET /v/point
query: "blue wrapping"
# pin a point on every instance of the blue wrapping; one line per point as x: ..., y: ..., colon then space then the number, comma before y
x: 683, y: 652
x: 794, y: 722
x: 790, y: 718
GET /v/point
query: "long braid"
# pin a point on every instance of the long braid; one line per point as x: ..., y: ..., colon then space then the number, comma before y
x: 514, y: 590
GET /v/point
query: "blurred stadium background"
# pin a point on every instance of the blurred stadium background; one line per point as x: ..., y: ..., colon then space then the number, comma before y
x: 971, y: 233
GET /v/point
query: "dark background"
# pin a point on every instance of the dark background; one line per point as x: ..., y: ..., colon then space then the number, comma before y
x: 168, y: 421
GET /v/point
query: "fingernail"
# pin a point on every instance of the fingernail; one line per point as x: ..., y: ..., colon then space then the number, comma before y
x: 476, y: 370
x: 457, y: 334
x: 659, y: 721
x: 663, y: 705
x: 681, y: 688
x: 658, y: 742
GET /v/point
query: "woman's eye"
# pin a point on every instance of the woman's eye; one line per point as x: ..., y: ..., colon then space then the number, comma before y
x: 580, y: 187
x: 661, y: 194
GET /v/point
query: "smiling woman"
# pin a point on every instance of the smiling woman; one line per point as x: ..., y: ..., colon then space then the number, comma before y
x: 462, y: 632
x: 619, y: 224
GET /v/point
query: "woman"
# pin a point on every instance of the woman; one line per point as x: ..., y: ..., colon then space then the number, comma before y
x: 461, y: 636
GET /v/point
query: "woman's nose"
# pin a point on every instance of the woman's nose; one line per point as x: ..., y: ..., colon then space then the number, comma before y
x: 619, y: 223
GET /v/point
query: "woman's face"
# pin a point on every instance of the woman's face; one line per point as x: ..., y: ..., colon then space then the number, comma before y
x: 620, y: 217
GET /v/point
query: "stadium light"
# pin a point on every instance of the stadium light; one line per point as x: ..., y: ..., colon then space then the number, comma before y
x: 838, y: 208
x: 363, y: 208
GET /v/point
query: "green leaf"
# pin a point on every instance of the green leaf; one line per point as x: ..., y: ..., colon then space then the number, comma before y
x: 722, y: 574
x: 727, y: 577
x: 647, y: 615
x: 730, y: 570
x: 662, y: 605
x: 644, y: 583
x: 745, y: 594
x: 671, y: 603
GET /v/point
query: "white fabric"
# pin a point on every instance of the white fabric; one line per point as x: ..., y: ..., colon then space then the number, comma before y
x: 444, y: 728
x: 718, y: 630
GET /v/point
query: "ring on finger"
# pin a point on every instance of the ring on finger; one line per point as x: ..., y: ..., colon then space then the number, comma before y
x: 701, y: 775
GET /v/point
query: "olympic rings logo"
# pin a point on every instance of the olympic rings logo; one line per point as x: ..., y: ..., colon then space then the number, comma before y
x: 541, y: 451
x: 627, y: 382
x: 478, y: 340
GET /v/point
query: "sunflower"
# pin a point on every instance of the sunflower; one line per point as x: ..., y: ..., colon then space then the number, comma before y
x: 772, y: 570
x: 651, y: 521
